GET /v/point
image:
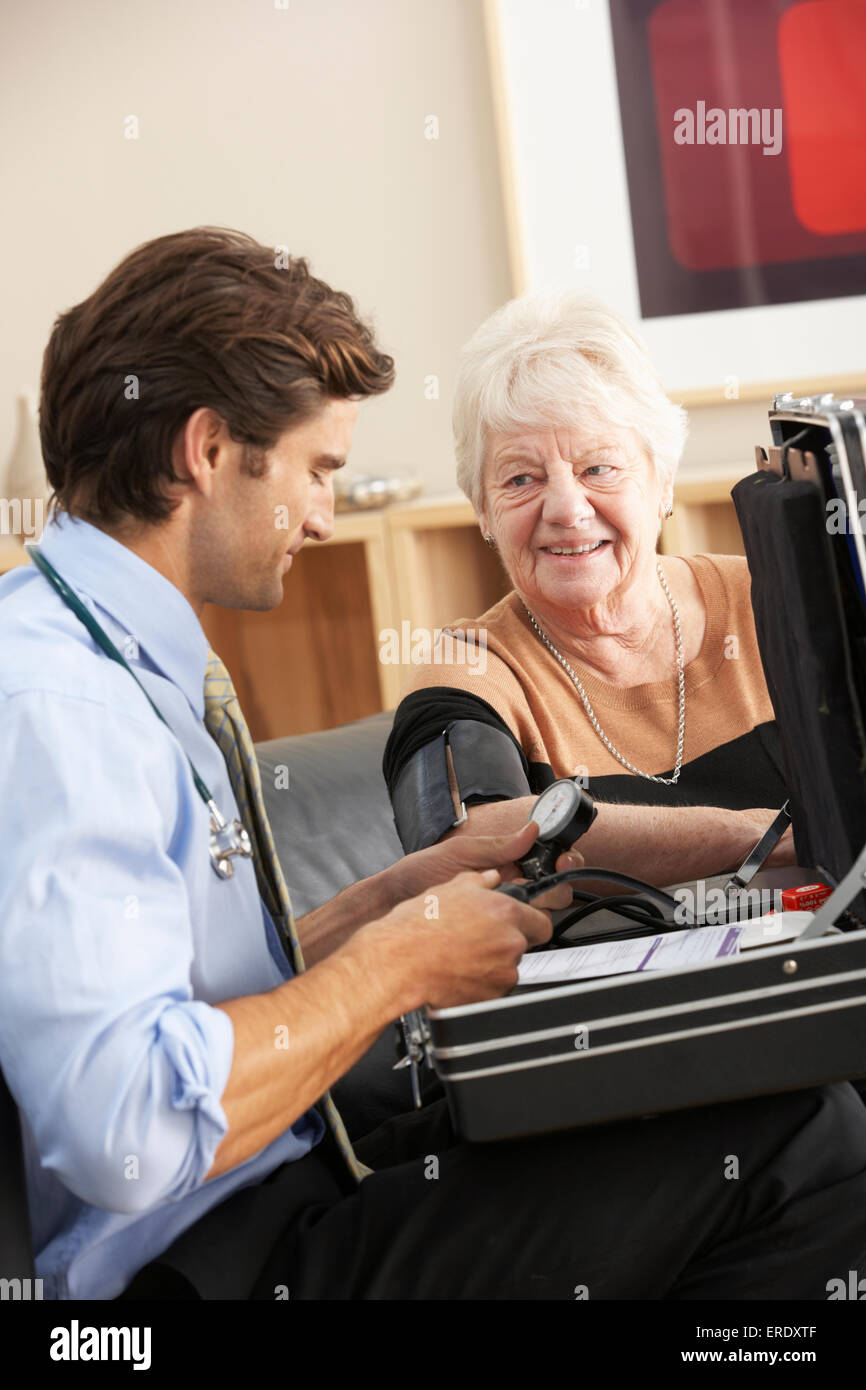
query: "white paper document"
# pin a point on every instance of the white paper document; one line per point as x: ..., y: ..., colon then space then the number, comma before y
x: 774, y: 928
x: 667, y: 951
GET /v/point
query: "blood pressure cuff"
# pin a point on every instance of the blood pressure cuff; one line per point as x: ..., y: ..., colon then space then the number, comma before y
x: 487, y: 763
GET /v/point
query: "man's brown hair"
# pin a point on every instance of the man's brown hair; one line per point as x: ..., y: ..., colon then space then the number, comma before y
x: 206, y: 317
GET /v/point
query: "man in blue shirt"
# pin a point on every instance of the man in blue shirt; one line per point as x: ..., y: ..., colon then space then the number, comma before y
x: 201, y: 396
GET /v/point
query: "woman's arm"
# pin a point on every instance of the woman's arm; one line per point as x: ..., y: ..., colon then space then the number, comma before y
x: 659, y: 844
x: 662, y: 845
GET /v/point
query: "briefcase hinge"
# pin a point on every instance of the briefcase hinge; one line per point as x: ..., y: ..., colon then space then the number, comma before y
x: 415, y: 1046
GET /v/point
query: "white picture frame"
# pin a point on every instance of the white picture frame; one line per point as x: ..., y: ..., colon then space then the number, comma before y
x: 568, y: 217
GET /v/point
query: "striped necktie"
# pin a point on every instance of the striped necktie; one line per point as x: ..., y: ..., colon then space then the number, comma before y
x: 227, y: 726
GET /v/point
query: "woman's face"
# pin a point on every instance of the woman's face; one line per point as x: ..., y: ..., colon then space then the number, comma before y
x: 574, y: 514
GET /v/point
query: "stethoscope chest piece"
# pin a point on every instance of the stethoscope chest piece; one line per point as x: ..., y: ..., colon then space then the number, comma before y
x: 227, y: 838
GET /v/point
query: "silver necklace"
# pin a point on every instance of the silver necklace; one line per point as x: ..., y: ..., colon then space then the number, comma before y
x: 666, y: 781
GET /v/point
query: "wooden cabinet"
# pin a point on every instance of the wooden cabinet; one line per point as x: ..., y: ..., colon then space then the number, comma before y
x: 704, y: 521
x: 380, y: 586
x: 12, y: 554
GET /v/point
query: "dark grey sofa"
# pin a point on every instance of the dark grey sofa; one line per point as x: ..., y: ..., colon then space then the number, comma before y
x: 331, y: 818
x: 332, y: 823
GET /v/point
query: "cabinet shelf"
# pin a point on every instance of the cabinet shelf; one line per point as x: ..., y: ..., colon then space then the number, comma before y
x: 315, y: 661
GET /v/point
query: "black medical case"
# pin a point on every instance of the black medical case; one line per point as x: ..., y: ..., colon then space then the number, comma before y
x: 801, y: 514
x: 776, y: 1019
x: 780, y: 1017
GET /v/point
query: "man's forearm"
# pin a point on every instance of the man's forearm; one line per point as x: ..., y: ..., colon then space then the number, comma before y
x: 292, y: 1043
x: 659, y: 844
x: 328, y: 927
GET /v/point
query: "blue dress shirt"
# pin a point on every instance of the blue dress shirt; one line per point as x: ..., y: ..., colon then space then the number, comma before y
x: 116, y: 936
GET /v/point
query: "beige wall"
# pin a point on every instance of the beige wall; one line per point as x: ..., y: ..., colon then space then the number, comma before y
x: 724, y: 436
x: 303, y: 126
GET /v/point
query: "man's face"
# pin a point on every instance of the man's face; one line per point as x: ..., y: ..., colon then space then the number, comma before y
x: 247, y: 541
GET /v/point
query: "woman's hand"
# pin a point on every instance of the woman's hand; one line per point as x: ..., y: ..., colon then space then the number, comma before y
x: 783, y: 855
x: 426, y: 868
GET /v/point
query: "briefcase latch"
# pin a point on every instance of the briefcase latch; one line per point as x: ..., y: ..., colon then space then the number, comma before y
x: 413, y: 1048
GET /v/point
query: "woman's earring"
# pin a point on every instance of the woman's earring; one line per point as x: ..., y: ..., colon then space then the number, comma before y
x: 669, y: 511
x: 489, y: 539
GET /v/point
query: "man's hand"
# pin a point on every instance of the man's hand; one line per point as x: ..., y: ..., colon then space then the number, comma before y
x: 427, y: 868
x: 455, y: 945
x: 330, y: 926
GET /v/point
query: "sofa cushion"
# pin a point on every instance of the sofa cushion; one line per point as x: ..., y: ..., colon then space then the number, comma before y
x: 332, y: 824
x: 329, y: 809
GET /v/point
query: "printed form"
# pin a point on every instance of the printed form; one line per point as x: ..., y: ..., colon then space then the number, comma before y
x: 667, y: 951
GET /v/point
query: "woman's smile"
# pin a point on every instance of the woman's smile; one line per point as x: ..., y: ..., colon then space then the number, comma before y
x: 586, y: 551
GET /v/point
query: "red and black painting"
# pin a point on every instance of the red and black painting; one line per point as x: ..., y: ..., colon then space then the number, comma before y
x: 744, y: 124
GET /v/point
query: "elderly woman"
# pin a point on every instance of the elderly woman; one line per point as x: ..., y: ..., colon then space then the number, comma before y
x: 640, y: 675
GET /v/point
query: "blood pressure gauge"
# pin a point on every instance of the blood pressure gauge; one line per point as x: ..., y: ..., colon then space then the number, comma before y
x: 563, y: 812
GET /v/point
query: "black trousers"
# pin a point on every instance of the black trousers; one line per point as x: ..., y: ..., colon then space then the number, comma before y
x: 761, y: 1198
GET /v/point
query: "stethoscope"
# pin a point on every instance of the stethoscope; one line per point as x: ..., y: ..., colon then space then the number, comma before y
x: 226, y: 839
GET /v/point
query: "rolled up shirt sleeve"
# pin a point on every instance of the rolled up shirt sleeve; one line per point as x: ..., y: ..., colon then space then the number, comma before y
x: 118, y: 1068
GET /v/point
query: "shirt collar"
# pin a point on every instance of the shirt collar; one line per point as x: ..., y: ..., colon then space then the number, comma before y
x: 136, y: 595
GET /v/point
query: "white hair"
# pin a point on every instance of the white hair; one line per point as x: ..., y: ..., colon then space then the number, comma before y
x: 564, y: 360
